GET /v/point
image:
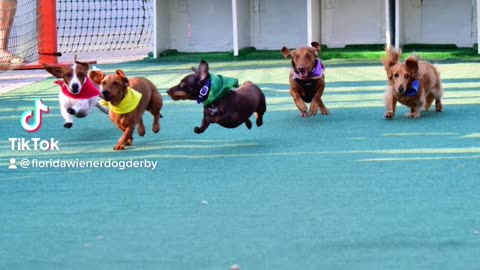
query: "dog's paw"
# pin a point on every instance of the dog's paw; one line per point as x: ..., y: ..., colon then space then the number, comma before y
x: 325, y: 111
x: 129, y: 141
x: 119, y: 147
x: 141, y: 131
x: 439, y: 108
x: 81, y: 114
x: 389, y: 115
x: 156, y: 128
x: 71, y: 111
x: 313, y: 109
x: 248, y: 123
x: 259, y: 122
x: 414, y: 115
x: 68, y: 125
x: 304, y: 114
x: 197, y: 130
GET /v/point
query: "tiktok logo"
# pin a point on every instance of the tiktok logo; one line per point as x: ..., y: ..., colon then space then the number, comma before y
x: 36, y: 114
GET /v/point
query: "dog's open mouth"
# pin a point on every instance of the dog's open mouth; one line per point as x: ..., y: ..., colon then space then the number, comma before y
x: 302, y: 72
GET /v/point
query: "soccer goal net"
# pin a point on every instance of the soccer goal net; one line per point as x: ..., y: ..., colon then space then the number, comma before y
x: 95, y: 27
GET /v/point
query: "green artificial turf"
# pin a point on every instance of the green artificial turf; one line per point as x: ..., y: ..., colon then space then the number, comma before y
x: 350, y: 54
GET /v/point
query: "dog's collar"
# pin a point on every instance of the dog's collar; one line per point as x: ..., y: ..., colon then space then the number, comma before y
x: 88, y: 90
x: 202, y: 96
x: 315, y: 73
x: 317, y: 70
x: 414, y: 90
x: 129, y: 102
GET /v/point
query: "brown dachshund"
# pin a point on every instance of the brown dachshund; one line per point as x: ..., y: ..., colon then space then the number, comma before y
x: 127, y: 100
x: 307, y: 79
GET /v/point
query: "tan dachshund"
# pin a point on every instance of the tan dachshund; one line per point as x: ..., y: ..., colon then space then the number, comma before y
x: 415, y: 84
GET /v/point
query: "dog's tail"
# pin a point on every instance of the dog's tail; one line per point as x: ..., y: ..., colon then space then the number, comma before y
x: 392, y: 58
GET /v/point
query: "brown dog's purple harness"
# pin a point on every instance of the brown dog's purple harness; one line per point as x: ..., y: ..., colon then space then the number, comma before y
x: 309, y: 84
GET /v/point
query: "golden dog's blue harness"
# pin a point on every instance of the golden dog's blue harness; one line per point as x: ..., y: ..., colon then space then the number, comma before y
x: 411, y: 92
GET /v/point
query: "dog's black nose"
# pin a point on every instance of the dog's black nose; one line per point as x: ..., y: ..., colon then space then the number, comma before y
x: 106, y: 95
x: 75, y: 88
x: 401, y: 89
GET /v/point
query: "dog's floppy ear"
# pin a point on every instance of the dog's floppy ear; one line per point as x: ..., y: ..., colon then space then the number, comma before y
x: 316, y: 45
x: 392, y: 58
x: 412, y: 65
x: 96, y: 76
x: 122, y: 76
x: 313, y: 51
x: 286, y: 52
x: 202, y: 70
x: 56, y: 71
x: 386, y: 64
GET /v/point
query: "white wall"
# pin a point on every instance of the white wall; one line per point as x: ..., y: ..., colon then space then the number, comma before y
x: 243, y: 18
x: 475, y: 21
x: 206, y: 25
x: 439, y: 22
x: 278, y: 23
x: 161, y: 29
x: 353, y: 22
x: 201, y: 26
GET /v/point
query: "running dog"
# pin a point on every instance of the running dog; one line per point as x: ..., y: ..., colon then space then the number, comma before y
x: 78, y: 95
x: 414, y: 83
x: 221, y: 104
x: 127, y: 100
x: 307, y: 79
